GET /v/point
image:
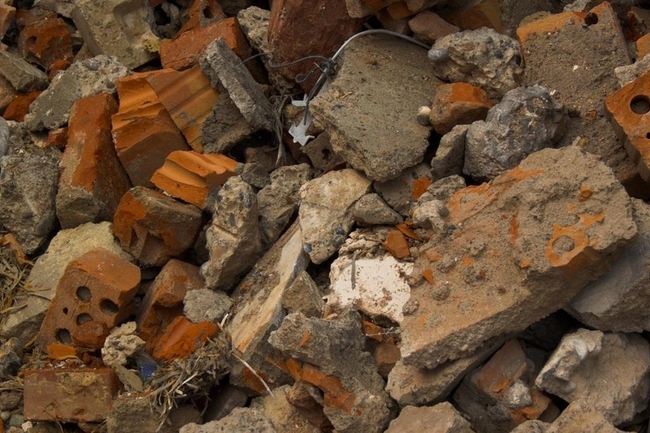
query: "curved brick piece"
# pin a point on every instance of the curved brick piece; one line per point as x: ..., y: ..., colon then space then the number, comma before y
x: 92, y: 179
x: 143, y: 130
x: 154, y: 227
x: 191, y: 176
x: 94, y: 295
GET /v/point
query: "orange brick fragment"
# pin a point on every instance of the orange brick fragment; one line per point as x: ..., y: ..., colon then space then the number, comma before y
x: 550, y: 24
x: 202, y: 13
x: 458, y: 104
x: 95, y: 294
x: 143, y: 131
x: 420, y: 187
x: 428, y: 275
x: 44, y: 37
x: 66, y: 394
x: 182, y: 337
x: 189, y: 97
x: 58, y: 138
x: 399, y: 10
x: 191, y: 176
x: 397, y: 245
x: 373, y: 331
x: 60, y: 352
x: 185, y: 50
x: 19, y: 106
x: 163, y: 301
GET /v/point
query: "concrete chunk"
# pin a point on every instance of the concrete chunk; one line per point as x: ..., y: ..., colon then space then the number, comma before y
x: 554, y: 222
x: 441, y: 418
x: 21, y: 74
x: 362, y: 124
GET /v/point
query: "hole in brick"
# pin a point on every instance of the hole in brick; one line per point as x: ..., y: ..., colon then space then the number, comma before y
x: 563, y: 244
x: 83, y: 318
x: 65, y: 310
x: 640, y: 104
x: 647, y: 135
x: 108, y: 307
x: 591, y: 19
x: 63, y: 336
x: 83, y: 293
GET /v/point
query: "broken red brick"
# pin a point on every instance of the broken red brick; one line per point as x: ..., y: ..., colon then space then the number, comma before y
x: 164, y: 299
x: 153, y: 227
x: 399, y: 10
x: 61, y: 352
x: 94, y: 295
x: 397, y: 245
x: 385, y: 355
x: 298, y: 29
x: 191, y: 176
x: 67, y: 394
x: 628, y: 109
x: 202, y: 13
x: 56, y: 66
x: 182, y: 338
x: 44, y: 37
x: 92, y: 179
x: 458, y: 104
x: 420, y: 187
x: 484, y: 13
x: 19, y: 106
x: 189, y: 97
x: 643, y: 46
x: 185, y: 50
x: 143, y: 131
x: 58, y: 138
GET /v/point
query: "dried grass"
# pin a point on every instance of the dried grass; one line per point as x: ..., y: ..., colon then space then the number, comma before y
x: 14, y: 270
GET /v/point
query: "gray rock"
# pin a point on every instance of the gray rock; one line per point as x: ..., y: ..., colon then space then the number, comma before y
x: 225, y: 127
x: 234, y: 240
x: 320, y: 153
x: 371, y: 210
x: 279, y: 200
x: 375, y: 114
x: 610, y: 372
x: 66, y: 246
x: 544, y: 230
x: 627, y: 73
x: 303, y: 295
x: 29, y: 179
x: 443, y: 189
x: 336, y: 348
x: 441, y: 418
x: 326, y: 211
x: 205, y: 305
x: 259, y: 311
x: 117, y: 28
x: 450, y: 156
x: 578, y: 417
x: 398, y: 192
x: 619, y: 301
x: 255, y: 174
x: 233, y: 7
x: 4, y: 138
x: 284, y: 416
x: 240, y: 420
x: 225, y: 69
x: 525, y: 121
x: 10, y: 359
x: 84, y: 78
x: 21, y: 74
x: 480, y: 57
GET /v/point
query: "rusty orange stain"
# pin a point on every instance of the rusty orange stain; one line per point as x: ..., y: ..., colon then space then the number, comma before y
x: 420, y: 187
x: 428, y: 275
x: 585, y: 193
x: 335, y: 395
x: 525, y: 263
x: 305, y: 339
x: 577, y: 235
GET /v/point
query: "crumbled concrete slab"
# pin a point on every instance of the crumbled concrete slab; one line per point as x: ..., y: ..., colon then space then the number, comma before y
x: 66, y: 246
x: 398, y: 192
x: 117, y: 28
x: 225, y: 69
x: 132, y: 412
x: 619, y: 301
x: 259, y: 311
x: 205, y: 305
x: 371, y: 210
x: 377, y: 286
x: 279, y: 200
x: 21, y: 74
x: 225, y: 127
x: 354, y: 110
x: 233, y: 238
x: 89, y: 77
x: 284, y: 416
x: 578, y: 417
x: 121, y: 344
x: 334, y: 360
x: 441, y: 418
x: 469, y: 56
x: 239, y: 420
x: 450, y: 156
x: 620, y: 362
x: 509, y: 238
x: 413, y: 386
x: 28, y: 184
x: 326, y: 211
x: 526, y: 120
x: 303, y: 295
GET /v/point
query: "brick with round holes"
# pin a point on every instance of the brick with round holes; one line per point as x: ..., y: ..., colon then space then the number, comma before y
x: 629, y: 112
x: 95, y: 294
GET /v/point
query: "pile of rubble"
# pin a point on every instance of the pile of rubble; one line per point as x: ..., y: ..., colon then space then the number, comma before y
x: 334, y: 215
